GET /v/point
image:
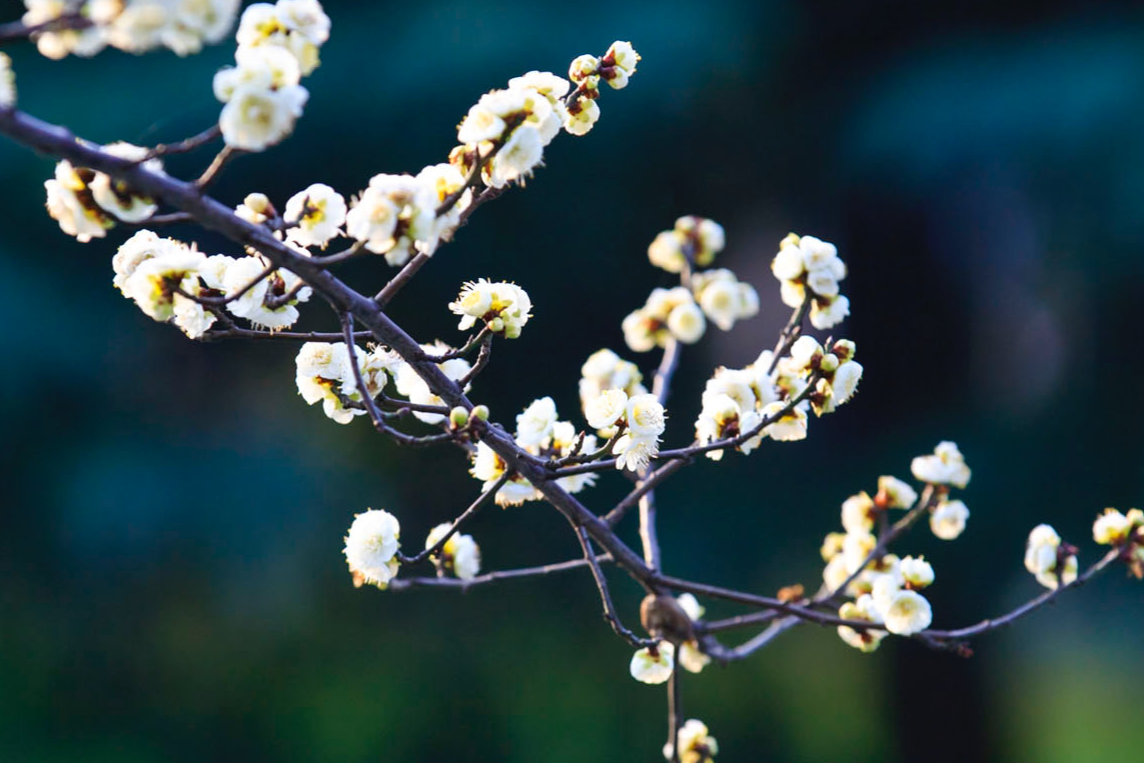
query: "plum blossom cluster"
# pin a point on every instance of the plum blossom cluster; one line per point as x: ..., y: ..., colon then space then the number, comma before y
x: 371, y: 547
x: 460, y: 555
x: 808, y: 267
x: 945, y: 469
x: 1125, y: 531
x: 325, y: 374
x: 170, y: 280
x: 605, y: 370
x: 638, y: 423
x: 615, y: 68
x: 7, y: 82
x: 503, y: 307
x: 681, y: 313
x: 539, y: 432
x: 85, y: 28
x: 87, y: 204
x: 1051, y: 561
x: 696, y: 745
x: 277, y: 45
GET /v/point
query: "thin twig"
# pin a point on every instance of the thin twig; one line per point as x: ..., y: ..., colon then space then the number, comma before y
x: 403, y: 277
x: 222, y: 158
x: 606, y: 597
x: 460, y: 520
x: 16, y: 31
x: 492, y: 577
x: 209, y: 135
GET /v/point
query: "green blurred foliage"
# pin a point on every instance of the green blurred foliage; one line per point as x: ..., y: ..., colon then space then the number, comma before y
x: 171, y: 573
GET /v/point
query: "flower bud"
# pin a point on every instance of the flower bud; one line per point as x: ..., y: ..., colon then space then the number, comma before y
x: 664, y: 617
x: 480, y: 412
x: 829, y: 364
x: 458, y: 417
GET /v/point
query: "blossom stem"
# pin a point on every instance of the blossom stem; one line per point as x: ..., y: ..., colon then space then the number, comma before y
x: 460, y: 520
x: 491, y: 577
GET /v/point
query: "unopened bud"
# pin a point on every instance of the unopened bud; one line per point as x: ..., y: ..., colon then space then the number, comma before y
x: 496, y: 325
x: 260, y: 203
x: 828, y: 364
x: 458, y: 417
x: 844, y: 349
x: 480, y: 412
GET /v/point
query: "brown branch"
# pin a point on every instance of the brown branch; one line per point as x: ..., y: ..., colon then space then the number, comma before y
x: 403, y: 277
x: 16, y: 31
x: 209, y: 135
x: 606, y: 597
x: 211, y: 173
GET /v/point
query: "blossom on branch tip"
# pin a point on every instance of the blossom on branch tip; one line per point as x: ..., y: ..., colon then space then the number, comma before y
x: 606, y: 409
x: 460, y: 555
x: 694, y: 238
x: 618, y: 64
x: 1052, y: 562
x: 948, y: 519
x: 490, y: 301
x: 315, y: 216
x: 945, y: 467
x: 916, y: 572
x: 371, y: 547
x: 653, y: 324
x: 298, y: 26
x: 1114, y: 528
x: 893, y: 493
x: 653, y: 664
x: 696, y: 745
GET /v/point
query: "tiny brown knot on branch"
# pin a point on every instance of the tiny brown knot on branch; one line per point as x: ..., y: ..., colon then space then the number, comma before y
x: 791, y: 593
x: 663, y: 617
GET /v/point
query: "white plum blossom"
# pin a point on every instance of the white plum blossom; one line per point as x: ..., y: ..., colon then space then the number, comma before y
x: 1114, y: 528
x: 252, y: 304
x: 696, y: 745
x: 858, y: 513
x: 916, y: 572
x: 618, y: 64
x: 790, y: 426
x: 724, y: 298
x: 606, y: 409
x: 1050, y: 561
x: 604, y: 370
x: 142, y: 246
x: 71, y: 205
x: 395, y: 216
x: 503, y: 307
x: 893, y: 493
x: 808, y: 267
x: 315, y: 215
x: 324, y: 374
x: 863, y: 608
x: 945, y: 467
x: 534, y: 426
x: 255, y: 118
x: 371, y: 547
x: 695, y: 237
x: 299, y: 26
x: 460, y: 554
x: 907, y: 613
x: 948, y: 519
x: 653, y: 665
x: 412, y: 386
x: 7, y: 82
x: 652, y: 325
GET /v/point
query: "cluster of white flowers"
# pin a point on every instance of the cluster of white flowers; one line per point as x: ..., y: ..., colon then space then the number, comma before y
x: 642, y: 419
x: 945, y: 469
x: 371, y: 548
x: 893, y: 602
x: 87, y: 204
x: 724, y: 298
x: 667, y: 314
x: 134, y: 26
x: 503, y: 307
x: 837, y: 370
x: 653, y: 664
x: 605, y: 370
x: 807, y: 266
x: 1052, y: 562
x: 1126, y: 531
x: 539, y: 432
x: 324, y: 373
x: 277, y: 46
x: 460, y: 554
x: 7, y: 82
x: 413, y: 387
x: 696, y: 745
x: 616, y: 67
x: 164, y: 276
x: 846, y: 553
x: 396, y: 214
x: 694, y: 240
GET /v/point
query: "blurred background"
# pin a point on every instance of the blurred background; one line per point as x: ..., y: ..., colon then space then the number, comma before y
x: 171, y: 576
